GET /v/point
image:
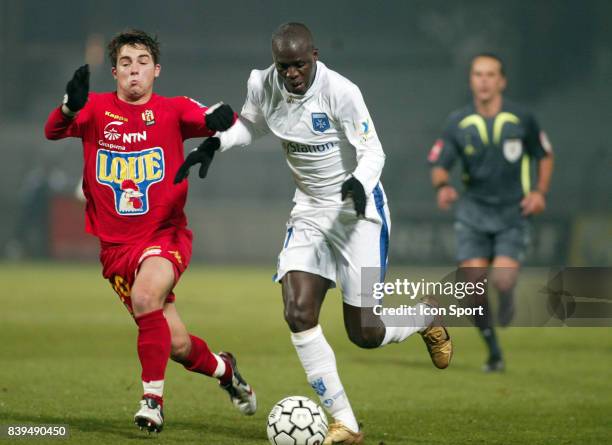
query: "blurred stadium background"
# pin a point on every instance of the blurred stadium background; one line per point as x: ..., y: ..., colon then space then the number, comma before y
x: 410, y: 60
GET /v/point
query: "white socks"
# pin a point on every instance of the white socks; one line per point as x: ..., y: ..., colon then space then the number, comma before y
x: 220, y: 369
x: 319, y: 363
x: 155, y: 387
x: 412, y: 324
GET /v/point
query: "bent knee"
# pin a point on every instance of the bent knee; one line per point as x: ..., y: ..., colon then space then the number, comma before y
x: 144, y: 301
x: 181, y: 347
x: 366, y: 338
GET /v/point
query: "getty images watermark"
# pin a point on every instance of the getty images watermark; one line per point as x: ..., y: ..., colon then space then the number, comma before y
x: 543, y: 297
x: 412, y: 289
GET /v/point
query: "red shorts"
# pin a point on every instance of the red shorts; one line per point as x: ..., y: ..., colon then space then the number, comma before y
x: 120, y: 262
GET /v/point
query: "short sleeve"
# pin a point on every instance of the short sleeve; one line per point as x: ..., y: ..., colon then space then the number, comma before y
x: 536, y: 140
x: 444, y: 151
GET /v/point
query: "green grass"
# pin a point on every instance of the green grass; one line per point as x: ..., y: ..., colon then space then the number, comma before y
x: 68, y: 355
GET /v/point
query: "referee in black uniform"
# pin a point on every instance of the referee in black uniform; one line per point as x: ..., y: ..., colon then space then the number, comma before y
x: 500, y: 146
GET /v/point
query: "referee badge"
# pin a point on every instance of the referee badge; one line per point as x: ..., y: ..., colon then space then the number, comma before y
x: 513, y: 149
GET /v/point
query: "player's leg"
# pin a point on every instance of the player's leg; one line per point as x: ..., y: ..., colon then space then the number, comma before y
x: 154, y: 280
x: 189, y: 350
x: 510, y: 249
x: 504, y: 276
x: 360, y: 247
x: 484, y: 323
x: 303, y: 295
x: 194, y: 354
x: 306, y: 270
x: 475, y: 248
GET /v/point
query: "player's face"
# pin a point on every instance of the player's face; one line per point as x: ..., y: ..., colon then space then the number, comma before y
x: 135, y: 72
x: 486, y: 79
x: 296, y: 65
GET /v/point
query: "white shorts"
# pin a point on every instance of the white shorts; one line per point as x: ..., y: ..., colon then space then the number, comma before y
x: 335, y: 244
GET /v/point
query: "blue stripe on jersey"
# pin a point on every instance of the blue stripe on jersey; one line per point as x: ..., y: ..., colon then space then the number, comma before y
x: 384, y: 231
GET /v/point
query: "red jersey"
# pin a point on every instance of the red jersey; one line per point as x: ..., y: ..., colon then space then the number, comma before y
x: 131, y: 154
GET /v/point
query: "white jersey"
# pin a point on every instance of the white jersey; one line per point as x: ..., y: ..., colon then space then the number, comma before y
x: 327, y: 134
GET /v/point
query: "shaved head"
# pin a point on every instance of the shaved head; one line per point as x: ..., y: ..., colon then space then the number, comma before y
x: 292, y: 35
x: 295, y: 57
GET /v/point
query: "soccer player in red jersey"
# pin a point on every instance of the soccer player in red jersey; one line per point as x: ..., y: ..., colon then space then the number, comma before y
x: 132, y: 145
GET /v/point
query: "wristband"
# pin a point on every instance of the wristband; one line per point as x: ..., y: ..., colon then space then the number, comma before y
x: 67, y: 112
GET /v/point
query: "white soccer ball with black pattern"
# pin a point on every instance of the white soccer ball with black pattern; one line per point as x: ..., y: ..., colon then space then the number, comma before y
x: 297, y: 420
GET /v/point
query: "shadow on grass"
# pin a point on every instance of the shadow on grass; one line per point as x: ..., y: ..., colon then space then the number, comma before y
x: 410, y: 363
x: 125, y: 429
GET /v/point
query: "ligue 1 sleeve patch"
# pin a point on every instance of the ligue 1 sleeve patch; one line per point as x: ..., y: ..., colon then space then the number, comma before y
x: 130, y: 175
x: 320, y: 122
x: 364, y: 130
x: 436, y: 149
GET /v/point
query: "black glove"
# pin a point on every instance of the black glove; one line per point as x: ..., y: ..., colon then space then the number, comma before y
x: 77, y: 89
x: 353, y: 187
x: 204, y: 155
x: 219, y: 117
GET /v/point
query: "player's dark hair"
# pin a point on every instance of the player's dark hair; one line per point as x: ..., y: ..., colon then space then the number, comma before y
x: 491, y: 56
x: 133, y: 37
x: 293, y: 31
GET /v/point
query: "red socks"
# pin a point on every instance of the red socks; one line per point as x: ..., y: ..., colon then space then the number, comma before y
x: 154, y: 347
x: 203, y: 361
x: 154, y: 344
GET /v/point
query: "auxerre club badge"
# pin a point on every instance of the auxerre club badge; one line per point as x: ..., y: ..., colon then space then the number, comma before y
x: 320, y: 122
x: 513, y: 149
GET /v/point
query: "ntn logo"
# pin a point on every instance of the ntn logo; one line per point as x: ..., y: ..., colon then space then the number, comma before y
x: 112, y: 133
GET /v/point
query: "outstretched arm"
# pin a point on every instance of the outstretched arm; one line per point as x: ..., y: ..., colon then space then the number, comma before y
x: 249, y: 126
x: 63, y: 122
x: 240, y: 134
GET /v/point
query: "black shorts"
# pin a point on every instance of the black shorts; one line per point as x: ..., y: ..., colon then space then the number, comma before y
x: 474, y: 243
x: 485, y: 230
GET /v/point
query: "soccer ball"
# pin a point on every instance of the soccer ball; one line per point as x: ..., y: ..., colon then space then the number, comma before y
x: 297, y: 420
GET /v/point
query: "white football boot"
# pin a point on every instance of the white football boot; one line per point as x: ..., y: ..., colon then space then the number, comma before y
x: 240, y: 392
x: 150, y: 416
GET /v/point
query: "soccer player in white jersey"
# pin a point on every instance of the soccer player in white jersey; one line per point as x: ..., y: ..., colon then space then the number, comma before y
x: 334, y: 154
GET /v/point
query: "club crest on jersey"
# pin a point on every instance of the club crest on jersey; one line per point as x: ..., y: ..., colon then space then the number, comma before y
x: 513, y: 149
x: 320, y: 122
x: 130, y: 175
x: 148, y: 117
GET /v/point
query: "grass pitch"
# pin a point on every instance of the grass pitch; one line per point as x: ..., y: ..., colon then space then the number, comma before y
x: 68, y: 356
